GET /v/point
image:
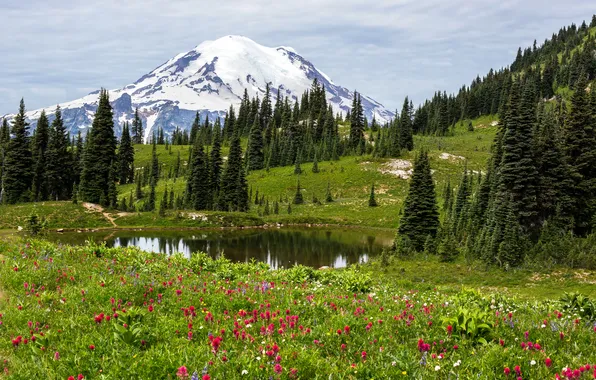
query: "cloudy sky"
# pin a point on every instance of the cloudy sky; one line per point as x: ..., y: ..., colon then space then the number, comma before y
x: 53, y: 51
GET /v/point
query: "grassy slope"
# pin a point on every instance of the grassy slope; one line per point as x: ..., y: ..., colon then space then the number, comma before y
x: 349, y: 179
x: 57, y: 215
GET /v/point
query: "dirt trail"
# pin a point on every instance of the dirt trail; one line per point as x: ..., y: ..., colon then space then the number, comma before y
x: 97, y: 208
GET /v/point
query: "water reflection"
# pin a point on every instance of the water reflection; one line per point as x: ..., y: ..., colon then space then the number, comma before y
x: 314, y: 247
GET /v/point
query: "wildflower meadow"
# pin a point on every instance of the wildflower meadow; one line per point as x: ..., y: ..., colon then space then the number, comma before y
x: 90, y: 312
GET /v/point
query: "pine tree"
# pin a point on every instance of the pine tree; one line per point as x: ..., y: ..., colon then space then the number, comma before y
x: 256, y: 158
x: 126, y: 156
x: 580, y: 140
x: 298, y: 200
x: 315, y: 164
x: 420, y: 216
x: 74, y: 195
x: 404, y: 137
x: 371, y: 200
x: 297, y: 168
x: 150, y: 204
x: 154, y: 174
x: 163, y: 205
x: 356, y: 122
x: 234, y: 188
x: 216, y: 163
x: 59, y: 159
x: 99, y: 153
x: 137, y: 128
x: 18, y: 161
x: 328, y: 197
x: 200, y: 177
x: 112, y: 192
x: 38, y: 150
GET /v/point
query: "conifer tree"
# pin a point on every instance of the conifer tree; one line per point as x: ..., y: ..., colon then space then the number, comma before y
x: 99, y: 153
x: 404, y: 137
x: 77, y: 162
x: 74, y: 195
x: 315, y: 164
x: 216, y: 163
x: 200, y: 177
x: 18, y: 161
x: 328, y: 197
x: 59, y: 159
x: 137, y: 128
x: 298, y: 200
x: 126, y: 156
x: 371, y: 199
x: 150, y: 203
x: 112, y: 196
x: 234, y: 188
x: 297, y: 168
x: 256, y: 158
x: 420, y: 216
x: 39, y: 156
x: 356, y: 122
x: 580, y: 140
x: 154, y: 173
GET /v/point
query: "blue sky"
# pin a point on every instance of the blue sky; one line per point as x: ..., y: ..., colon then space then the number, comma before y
x: 54, y: 51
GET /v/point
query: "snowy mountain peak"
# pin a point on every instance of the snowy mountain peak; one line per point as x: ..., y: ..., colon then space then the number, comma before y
x: 208, y: 79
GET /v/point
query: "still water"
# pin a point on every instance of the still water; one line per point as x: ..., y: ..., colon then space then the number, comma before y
x: 278, y: 247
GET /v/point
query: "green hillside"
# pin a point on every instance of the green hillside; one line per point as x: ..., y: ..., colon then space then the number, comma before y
x: 349, y: 179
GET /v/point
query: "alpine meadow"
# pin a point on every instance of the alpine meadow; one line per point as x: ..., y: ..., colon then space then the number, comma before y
x: 236, y: 214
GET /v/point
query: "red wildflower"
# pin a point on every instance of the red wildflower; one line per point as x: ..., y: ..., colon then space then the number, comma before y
x: 507, y: 371
x: 182, y: 372
x: 517, y: 369
x: 92, y: 347
x: 548, y: 362
x: 347, y: 329
x: 449, y: 329
x: 278, y: 369
x: 338, y: 331
x: 150, y: 308
x: 206, y: 377
x: 80, y: 376
x: 363, y: 355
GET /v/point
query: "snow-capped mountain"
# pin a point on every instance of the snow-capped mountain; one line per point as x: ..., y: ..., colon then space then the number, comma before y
x: 208, y: 79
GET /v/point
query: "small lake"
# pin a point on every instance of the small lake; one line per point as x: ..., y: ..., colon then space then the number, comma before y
x: 278, y: 247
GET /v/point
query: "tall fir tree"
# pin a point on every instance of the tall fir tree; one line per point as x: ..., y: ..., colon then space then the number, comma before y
x: 372, y: 202
x: 580, y: 140
x: 420, y: 215
x: 126, y: 157
x: 200, y: 177
x: 234, y: 188
x: 39, y: 148
x: 137, y: 128
x: 99, y: 154
x: 60, y: 160
x: 18, y: 161
x: 256, y: 158
x: 356, y: 122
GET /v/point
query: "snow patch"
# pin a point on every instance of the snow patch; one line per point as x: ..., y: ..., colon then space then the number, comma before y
x: 397, y: 167
x: 450, y: 157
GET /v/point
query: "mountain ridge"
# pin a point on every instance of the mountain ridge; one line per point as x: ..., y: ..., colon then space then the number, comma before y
x: 208, y: 79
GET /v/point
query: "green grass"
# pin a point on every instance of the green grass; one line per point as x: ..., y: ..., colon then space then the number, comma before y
x: 526, y: 283
x: 350, y: 179
x: 123, y: 313
x: 56, y: 214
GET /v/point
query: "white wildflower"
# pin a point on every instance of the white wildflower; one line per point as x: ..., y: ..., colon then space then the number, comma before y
x: 437, y: 367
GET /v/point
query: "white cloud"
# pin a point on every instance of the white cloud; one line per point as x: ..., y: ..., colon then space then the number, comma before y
x: 53, y: 50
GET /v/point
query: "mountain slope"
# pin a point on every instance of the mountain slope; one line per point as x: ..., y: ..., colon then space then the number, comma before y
x: 208, y: 79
